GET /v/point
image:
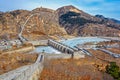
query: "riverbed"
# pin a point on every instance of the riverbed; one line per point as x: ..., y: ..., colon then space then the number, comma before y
x: 70, y: 42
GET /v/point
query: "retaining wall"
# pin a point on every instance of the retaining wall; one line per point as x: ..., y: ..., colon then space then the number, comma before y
x: 29, y: 72
x: 77, y: 55
x: 32, y: 72
x: 39, y: 43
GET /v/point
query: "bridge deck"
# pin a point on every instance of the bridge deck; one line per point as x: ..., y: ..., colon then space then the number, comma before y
x: 61, y: 47
x: 64, y: 45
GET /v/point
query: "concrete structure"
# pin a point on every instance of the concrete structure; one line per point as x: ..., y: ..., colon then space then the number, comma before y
x: 112, y: 38
x: 39, y: 43
x: 115, y: 55
x: 32, y: 72
x: 61, y: 47
x: 86, y: 52
x: 85, y: 46
x: 77, y: 55
x: 83, y: 50
x: 29, y: 72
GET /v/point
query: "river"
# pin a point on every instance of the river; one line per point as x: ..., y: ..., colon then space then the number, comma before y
x: 70, y: 42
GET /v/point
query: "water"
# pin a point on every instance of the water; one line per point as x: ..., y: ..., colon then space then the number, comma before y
x: 46, y: 49
x: 70, y: 42
x: 81, y: 40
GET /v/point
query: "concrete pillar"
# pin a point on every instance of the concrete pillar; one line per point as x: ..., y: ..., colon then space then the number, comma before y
x: 64, y: 50
x: 57, y: 46
x: 60, y: 47
x: 54, y: 45
x: 50, y: 42
x: 67, y: 51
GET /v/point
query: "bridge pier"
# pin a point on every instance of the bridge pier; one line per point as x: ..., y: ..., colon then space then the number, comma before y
x: 61, y: 47
x: 65, y: 49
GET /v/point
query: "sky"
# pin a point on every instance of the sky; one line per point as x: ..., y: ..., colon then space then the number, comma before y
x: 108, y: 8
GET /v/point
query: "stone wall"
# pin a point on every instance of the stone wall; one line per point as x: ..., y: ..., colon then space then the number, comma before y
x: 39, y: 43
x: 77, y: 55
x: 29, y: 72
x: 32, y: 72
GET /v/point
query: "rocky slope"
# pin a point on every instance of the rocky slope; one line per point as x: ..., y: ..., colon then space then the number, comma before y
x: 77, y: 22
x: 46, y: 23
x: 63, y: 21
x: 117, y: 21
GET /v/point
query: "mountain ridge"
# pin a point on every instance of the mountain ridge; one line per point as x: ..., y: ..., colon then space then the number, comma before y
x: 66, y: 20
x: 113, y: 19
x: 75, y: 23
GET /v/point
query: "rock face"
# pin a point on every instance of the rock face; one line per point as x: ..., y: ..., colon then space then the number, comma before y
x: 63, y: 21
x: 77, y: 22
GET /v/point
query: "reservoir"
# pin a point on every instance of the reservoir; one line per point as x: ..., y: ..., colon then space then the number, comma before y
x: 70, y: 42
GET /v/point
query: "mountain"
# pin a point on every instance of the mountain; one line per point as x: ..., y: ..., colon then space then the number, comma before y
x: 77, y: 22
x: 1, y: 12
x: 114, y: 20
x: 110, y: 22
x: 67, y: 20
x: 46, y: 23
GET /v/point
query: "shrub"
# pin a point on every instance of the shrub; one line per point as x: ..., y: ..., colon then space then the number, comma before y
x: 113, y: 70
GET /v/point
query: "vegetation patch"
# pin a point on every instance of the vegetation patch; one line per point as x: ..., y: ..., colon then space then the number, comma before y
x: 72, y: 69
x: 113, y: 70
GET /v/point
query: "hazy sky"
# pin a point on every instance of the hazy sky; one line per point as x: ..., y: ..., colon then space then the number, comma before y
x: 108, y: 8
